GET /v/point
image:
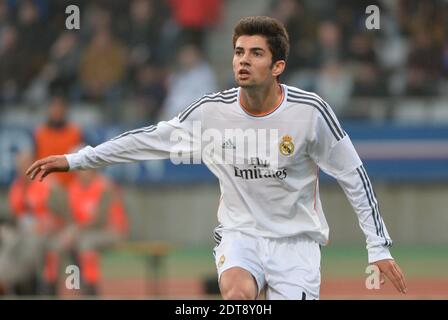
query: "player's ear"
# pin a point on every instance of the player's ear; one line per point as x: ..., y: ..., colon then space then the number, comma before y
x: 278, y: 67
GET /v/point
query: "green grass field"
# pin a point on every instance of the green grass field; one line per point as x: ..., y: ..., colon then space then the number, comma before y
x: 337, y: 261
x: 185, y: 270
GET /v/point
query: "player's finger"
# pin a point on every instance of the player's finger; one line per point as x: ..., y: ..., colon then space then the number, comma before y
x: 44, y: 174
x: 401, y: 272
x: 399, y: 280
x: 400, y: 276
x: 382, y: 278
x: 37, y: 166
x: 392, y: 277
x: 44, y: 168
x: 394, y: 281
x: 35, y: 172
x: 32, y: 168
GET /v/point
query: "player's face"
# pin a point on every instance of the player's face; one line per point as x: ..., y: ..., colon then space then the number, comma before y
x: 252, y: 62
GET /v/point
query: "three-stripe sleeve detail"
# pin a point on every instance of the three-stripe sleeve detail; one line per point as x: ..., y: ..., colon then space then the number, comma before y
x: 227, y: 97
x: 135, y: 131
x: 321, y: 106
x: 373, y: 203
x: 377, y: 208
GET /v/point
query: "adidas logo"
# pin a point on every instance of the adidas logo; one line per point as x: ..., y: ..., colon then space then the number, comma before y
x: 228, y: 145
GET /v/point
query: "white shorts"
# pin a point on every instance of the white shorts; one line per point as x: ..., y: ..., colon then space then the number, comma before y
x: 288, y: 267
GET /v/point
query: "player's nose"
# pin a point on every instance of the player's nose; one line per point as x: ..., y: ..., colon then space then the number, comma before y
x: 244, y: 61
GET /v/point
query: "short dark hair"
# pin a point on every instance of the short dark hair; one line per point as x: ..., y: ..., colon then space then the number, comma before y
x: 270, y: 28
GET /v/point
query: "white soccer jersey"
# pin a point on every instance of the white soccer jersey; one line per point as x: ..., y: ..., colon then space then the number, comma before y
x: 269, y: 191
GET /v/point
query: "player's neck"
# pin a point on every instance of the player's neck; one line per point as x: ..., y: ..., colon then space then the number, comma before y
x: 261, y: 101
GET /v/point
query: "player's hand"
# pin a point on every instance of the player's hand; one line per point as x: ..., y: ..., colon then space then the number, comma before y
x: 392, y: 271
x: 47, y: 165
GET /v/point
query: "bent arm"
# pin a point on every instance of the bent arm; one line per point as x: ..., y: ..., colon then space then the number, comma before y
x: 359, y: 191
x: 337, y: 157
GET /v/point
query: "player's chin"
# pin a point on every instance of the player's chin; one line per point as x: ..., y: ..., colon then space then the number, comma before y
x: 244, y: 83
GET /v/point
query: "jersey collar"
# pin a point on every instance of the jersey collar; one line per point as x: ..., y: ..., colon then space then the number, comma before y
x: 270, y: 112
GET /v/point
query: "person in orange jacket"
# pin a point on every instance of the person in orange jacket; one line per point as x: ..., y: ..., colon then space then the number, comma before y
x: 57, y: 134
x: 39, y: 210
x: 99, y: 219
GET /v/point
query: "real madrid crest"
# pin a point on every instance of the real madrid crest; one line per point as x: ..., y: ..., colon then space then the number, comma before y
x: 286, y: 146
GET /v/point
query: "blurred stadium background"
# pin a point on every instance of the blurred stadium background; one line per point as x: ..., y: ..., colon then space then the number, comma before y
x: 135, y: 62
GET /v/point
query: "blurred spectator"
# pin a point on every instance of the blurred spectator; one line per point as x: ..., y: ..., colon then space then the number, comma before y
x: 103, y: 66
x: 60, y: 73
x: 4, y: 15
x: 335, y: 85
x: 34, y: 38
x: 361, y: 49
x: 329, y: 46
x: 194, y: 17
x: 143, y: 34
x: 193, y: 79
x: 99, y: 221
x: 40, y: 210
x: 366, y: 71
x: 149, y: 94
x: 57, y: 135
x: 12, y: 66
x: 424, y: 66
x: 368, y: 81
x: 415, y: 16
x: 19, y: 260
x: 445, y: 61
x: 300, y: 23
x: 97, y: 17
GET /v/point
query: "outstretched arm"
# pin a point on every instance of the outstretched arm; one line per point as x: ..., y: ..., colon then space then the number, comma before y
x: 153, y: 142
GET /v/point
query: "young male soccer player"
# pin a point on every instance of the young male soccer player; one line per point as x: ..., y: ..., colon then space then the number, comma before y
x: 270, y: 216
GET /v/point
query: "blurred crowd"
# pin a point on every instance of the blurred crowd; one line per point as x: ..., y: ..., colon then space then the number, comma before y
x: 66, y: 219
x: 333, y: 53
x: 151, y: 56
x: 124, y: 51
